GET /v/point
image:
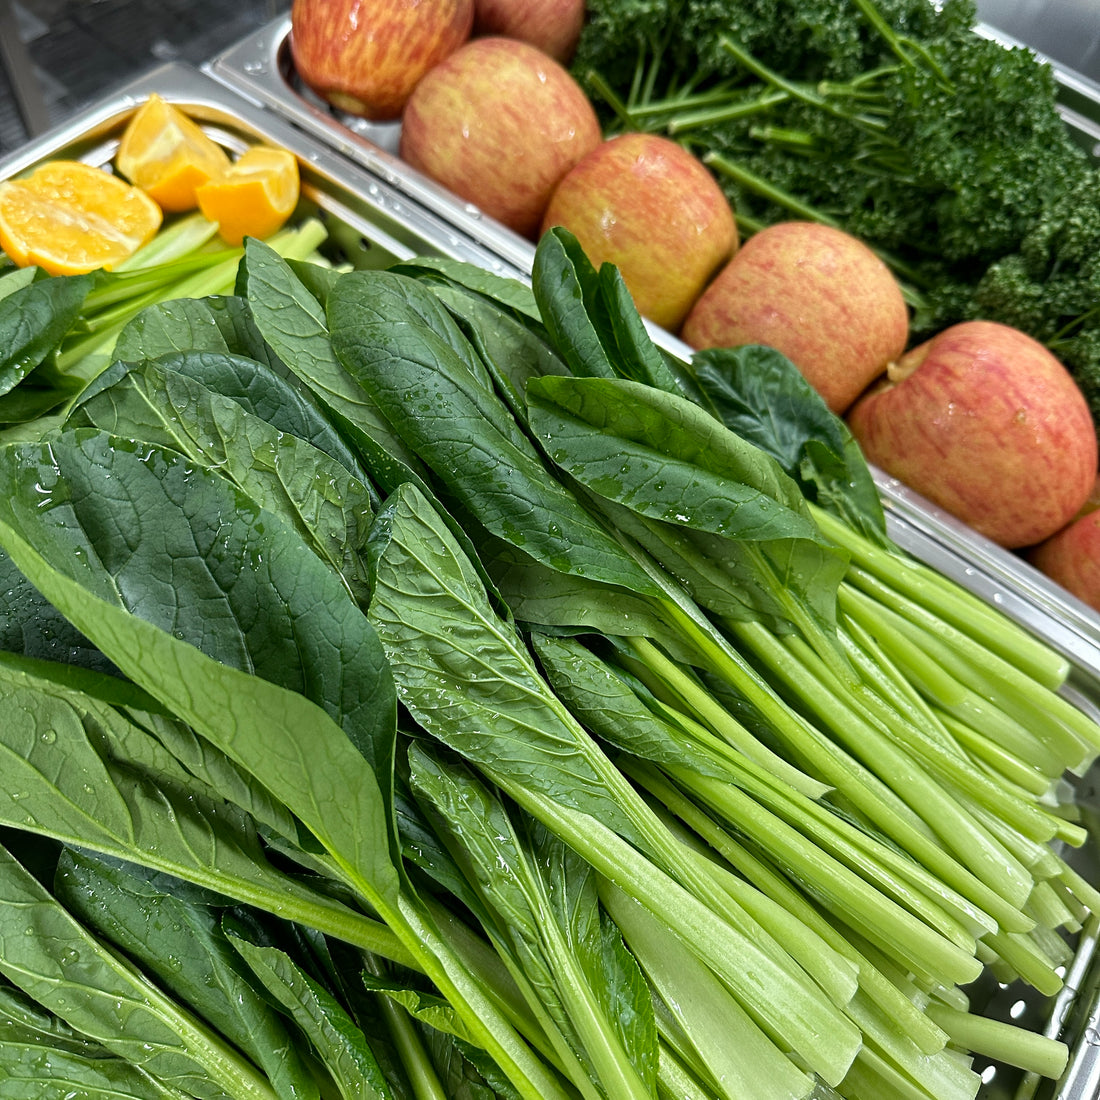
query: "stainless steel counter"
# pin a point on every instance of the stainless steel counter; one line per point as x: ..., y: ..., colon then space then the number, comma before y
x: 1067, y: 31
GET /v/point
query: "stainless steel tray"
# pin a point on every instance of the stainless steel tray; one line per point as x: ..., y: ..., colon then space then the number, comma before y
x: 377, y: 212
x: 260, y: 67
x: 375, y: 221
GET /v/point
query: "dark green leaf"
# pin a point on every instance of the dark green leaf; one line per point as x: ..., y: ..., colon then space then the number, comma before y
x: 728, y: 506
x: 177, y: 940
x: 454, y: 1065
x: 317, y: 279
x: 29, y: 1071
x: 269, y: 393
x: 27, y: 403
x: 508, y: 293
x: 34, y: 319
x: 608, y: 705
x: 217, y: 324
x: 24, y: 1020
x: 566, y: 287
x: 593, y: 322
x: 121, y: 793
x: 31, y: 625
x: 332, y: 1033
x: 513, y: 352
x: 150, y: 531
x: 626, y: 338
x: 472, y: 683
x: 58, y: 962
x: 463, y: 432
x: 759, y: 394
x: 15, y: 278
x: 282, y: 473
x: 293, y: 322
x: 547, y: 598
x: 288, y: 743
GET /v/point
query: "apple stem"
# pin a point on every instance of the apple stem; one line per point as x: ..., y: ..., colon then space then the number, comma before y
x: 897, y: 370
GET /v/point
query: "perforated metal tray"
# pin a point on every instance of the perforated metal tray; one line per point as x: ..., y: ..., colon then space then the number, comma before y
x: 378, y: 211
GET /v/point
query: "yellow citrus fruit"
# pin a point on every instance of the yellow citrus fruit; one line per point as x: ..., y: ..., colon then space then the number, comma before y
x: 167, y: 155
x: 254, y: 196
x: 69, y: 217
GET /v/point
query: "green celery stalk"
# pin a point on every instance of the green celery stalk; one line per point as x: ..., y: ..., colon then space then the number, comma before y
x: 713, y: 1024
x: 899, y: 1005
x: 1014, y: 1046
x: 926, y: 588
x: 941, y: 812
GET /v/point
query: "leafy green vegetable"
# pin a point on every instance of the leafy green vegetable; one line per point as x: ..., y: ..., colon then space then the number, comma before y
x: 331, y: 1030
x: 27, y: 1075
x: 51, y: 956
x: 293, y: 323
x: 591, y: 317
x: 288, y: 743
x: 508, y: 815
x: 546, y: 916
x: 174, y: 933
x: 487, y: 702
x: 759, y: 394
x: 219, y: 324
x: 662, y: 457
x: 461, y: 429
x: 113, y: 797
x: 278, y: 470
x: 34, y: 319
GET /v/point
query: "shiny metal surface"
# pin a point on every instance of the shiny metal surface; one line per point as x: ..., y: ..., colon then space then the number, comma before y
x: 368, y: 212
x: 1067, y: 30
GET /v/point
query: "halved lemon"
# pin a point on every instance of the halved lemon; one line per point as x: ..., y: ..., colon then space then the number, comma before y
x: 69, y: 217
x: 168, y: 155
x: 254, y: 196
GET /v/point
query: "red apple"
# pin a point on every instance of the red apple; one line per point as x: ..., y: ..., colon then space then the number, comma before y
x: 988, y: 424
x: 554, y: 26
x: 645, y: 204
x: 818, y: 295
x: 1071, y: 557
x: 499, y: 122
x: 367, y: 58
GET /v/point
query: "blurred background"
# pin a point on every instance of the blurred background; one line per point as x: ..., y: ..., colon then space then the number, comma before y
x: 60, y: 55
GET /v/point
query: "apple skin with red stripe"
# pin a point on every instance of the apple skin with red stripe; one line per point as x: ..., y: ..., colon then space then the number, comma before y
x: 817, y: 294
x: 554, y: 26
x: 986, y: 423
x: 1071, y: 557
x: 645, y: 204
x: 366, y: 58
x: 499, y: 123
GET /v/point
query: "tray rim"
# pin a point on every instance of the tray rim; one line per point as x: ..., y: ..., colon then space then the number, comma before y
x: 230, y: 110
